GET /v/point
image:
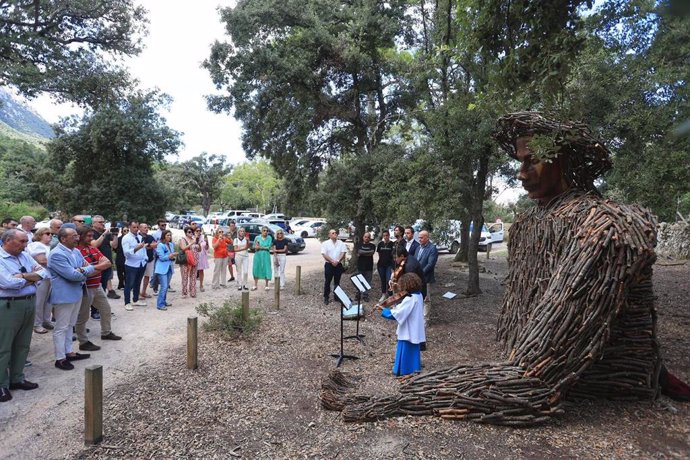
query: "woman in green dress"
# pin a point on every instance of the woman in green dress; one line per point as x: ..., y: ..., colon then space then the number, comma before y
x: 261, y: 269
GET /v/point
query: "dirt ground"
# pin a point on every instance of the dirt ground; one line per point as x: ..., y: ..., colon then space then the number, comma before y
x: 257, y: 397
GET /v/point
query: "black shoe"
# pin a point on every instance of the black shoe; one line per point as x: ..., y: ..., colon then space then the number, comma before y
x: 64, y: 365
x: 88, y: 346
x: 113, y: 295
x: 325, y: 300
x: 5, y: 394
x: 25, y: 385
x: 96, y: 315
x: 111, y: 336
x: 422, y: 346
x: 78, y: 357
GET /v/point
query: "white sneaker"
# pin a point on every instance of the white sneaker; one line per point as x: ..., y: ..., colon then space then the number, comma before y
x: 129, y: 307
x: 382, y: 298
x: 139, y: 303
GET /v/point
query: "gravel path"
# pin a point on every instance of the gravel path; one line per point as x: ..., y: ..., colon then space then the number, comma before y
x: 257, y: 397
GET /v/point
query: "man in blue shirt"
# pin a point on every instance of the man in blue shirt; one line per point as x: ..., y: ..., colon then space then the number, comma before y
x: 134, y: 249
x: 19, y: 274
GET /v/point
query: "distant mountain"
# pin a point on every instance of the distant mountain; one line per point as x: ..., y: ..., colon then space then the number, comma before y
x: 22, y: 119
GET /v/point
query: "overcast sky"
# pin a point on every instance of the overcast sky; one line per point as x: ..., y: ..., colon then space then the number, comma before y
x: 179, y: 39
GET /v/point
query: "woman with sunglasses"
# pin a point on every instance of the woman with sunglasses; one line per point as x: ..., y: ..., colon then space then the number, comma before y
x: 39, y: 249
x: 261, y: 269
x: 280, y: 249
x: 188, y: 272
x: 120, y: 259
x: 164, y: 268
x: 202, y: 261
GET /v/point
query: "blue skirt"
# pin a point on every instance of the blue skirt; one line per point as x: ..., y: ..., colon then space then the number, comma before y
x: 408, y: 358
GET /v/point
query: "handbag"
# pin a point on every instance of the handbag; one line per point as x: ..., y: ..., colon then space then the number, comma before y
x: 181, y: 258
x: 189, y: 254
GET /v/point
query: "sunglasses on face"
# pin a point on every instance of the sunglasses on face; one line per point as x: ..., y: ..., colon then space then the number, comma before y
x: 189, y: 231
x: 80, y: 221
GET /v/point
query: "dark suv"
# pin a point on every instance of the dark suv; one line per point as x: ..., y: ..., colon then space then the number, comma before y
x: 253, y: 229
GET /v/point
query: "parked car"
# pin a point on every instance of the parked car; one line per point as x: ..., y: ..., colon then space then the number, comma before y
x: 274, y: 216
x: 174, y: 221
x: 485, y: 240
x: 253, y: 229
x: 309, y: 229
x: 497, y: 231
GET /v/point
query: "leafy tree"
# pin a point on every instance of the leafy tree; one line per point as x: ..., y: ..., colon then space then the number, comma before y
x: 59, y: 46
x: 252, y: 185
x: 310, y: 82
x: 204, y: 177
x: 103, y: 162
x: 630, y: 83
x: 22, y: 170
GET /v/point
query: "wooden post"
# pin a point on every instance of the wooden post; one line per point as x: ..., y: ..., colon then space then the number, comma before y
x: 276, y: 283
x: 245, y: 306
x: 488, y: 250
x: 93, y: 404
x: 192, y: 324
x: 298, y: 281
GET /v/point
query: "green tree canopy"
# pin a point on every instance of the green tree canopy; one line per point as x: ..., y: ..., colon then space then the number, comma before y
x: 103, y: 161
x: 203, y: 176
x: 252, y: 185
x: 59, y: 46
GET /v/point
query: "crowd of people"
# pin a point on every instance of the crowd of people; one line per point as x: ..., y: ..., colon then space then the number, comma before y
x: 55, y: 278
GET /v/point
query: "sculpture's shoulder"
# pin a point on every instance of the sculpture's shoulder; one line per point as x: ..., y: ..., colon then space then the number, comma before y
x: 595, y: 217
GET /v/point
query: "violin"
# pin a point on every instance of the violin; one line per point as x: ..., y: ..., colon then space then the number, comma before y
x: 397, y: 273
x: 392, y: 300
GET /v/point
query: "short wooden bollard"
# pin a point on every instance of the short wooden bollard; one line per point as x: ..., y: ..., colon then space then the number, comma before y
x: 298, y: 280
x: 93, y: 404
x: 245, y: 306
x: 192, y: 325
x: 276, y: 284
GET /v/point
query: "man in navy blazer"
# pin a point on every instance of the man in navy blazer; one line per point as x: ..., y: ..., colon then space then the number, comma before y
x: 427, y: 255
x: 68, y: 272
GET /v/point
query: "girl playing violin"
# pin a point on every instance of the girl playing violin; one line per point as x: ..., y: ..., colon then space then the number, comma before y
x: 410, y: 317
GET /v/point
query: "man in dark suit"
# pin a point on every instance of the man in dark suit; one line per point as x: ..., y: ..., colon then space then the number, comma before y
x: 427, y: 255
x: 410, y: 243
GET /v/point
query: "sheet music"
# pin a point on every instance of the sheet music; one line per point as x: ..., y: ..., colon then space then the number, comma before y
x: 449, y: 295
x: 364, y: 282
x: 342, y: 296
x: 358, y: 284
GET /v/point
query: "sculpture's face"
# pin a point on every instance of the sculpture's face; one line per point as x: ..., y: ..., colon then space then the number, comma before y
x: 541, y: 180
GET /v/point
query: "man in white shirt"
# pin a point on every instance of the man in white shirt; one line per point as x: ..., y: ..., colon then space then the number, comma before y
x: 134, y: 249
x: 27, y: 224
x: 333, y: 251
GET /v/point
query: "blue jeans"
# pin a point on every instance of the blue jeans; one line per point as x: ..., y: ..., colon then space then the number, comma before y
x: 385, y: 275
x: 133, y: 277
x: 164, y: 283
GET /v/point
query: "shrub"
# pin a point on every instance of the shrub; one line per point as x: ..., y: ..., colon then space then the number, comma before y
x: 227, y: 319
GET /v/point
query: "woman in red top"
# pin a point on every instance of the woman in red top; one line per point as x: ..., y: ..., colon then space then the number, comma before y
x: 220, y: 259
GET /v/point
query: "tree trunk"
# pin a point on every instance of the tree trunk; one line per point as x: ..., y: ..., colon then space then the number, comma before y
x: 461, y: 255
x: 476, y: 210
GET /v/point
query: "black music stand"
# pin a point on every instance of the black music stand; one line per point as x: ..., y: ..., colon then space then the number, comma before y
x: 345, y: 303
x: 362, y: 286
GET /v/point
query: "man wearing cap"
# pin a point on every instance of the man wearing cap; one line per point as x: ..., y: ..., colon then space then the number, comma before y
x: 578, y: 317
x: 19, y: 274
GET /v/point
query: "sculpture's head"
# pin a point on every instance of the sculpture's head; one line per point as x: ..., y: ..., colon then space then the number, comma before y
x: 555, y: 156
